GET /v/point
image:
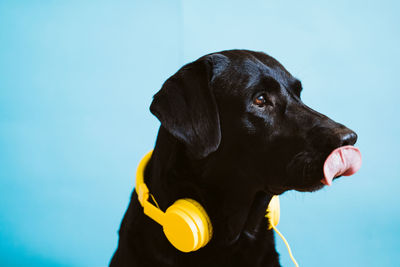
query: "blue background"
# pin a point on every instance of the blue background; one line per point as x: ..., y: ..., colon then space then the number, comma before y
x: 76, y: 81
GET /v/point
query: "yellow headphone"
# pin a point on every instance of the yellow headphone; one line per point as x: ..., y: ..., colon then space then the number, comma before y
x: 273, y: 212
x: 185, y: 223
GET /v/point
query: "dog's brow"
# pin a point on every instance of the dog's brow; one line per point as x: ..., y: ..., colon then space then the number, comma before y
x: 271, y: 83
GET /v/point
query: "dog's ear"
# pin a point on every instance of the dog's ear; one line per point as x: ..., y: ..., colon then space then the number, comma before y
x: 187, y: 108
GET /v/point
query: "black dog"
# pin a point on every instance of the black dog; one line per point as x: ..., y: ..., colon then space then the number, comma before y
x: 233, y: 133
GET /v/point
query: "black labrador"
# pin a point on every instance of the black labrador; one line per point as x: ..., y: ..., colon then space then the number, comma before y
x: 234, y: 132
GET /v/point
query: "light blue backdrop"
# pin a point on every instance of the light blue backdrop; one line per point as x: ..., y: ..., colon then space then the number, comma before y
x: 76, y: 81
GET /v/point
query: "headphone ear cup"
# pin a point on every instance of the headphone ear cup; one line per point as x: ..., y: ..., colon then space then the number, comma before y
x: 187, y: 225
x: 273, y: 212
x: 204, y: 222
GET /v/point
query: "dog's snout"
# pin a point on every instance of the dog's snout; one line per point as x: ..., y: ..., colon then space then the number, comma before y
x: 329, y: 138
x: 347, y: 137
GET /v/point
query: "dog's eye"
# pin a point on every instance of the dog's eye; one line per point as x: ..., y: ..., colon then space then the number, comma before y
x: 260, y: 100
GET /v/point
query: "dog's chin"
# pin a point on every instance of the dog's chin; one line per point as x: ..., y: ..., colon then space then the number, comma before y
x: 311, y: 188
x: 305, y: 172
x: 301, y: 188
x: 310, y: 182
x: 275, y: 190
x: 315, y: 187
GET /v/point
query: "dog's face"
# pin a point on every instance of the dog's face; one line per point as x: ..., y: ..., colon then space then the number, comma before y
x: 245, y: 107
x: 264, y: 108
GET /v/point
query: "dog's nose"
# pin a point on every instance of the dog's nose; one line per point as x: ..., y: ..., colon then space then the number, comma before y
x: 347, y: 137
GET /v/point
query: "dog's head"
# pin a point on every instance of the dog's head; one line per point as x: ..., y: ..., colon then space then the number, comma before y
x: 245, y: 107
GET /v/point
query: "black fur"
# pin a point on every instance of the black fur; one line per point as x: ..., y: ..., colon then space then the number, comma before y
x: 219, y: 146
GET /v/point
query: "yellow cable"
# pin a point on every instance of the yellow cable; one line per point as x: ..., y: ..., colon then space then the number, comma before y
x: 287, y: 245
x: 154, y: 201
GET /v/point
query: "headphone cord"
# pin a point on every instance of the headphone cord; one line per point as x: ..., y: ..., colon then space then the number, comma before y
x: 155, y: 202
x: 287, y: 245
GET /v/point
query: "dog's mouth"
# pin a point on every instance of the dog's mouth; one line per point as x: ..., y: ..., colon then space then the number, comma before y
x: 345, y: 160
x: 310, y: 171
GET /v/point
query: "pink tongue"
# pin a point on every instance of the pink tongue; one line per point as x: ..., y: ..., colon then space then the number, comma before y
x: 345, y: 160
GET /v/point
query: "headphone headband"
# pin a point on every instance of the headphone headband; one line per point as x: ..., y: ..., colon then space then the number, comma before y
x: 141, y: 187
x: 143, y: 192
